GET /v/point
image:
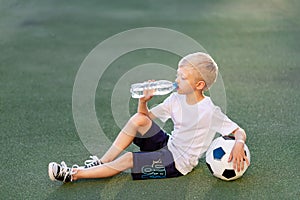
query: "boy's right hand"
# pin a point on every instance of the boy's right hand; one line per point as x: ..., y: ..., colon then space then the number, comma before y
x: 148, y: 94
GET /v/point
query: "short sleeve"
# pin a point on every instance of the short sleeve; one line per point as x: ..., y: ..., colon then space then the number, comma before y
x: 221, y: 123
x: 163, y: 110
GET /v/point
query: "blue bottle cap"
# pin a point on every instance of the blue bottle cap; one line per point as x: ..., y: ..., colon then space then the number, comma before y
x: 175, y: 85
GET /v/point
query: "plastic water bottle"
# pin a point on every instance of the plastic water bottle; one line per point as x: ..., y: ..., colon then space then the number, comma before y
x: 161, y: 87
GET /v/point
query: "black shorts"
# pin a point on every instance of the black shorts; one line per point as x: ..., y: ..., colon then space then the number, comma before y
x: 154, y: 160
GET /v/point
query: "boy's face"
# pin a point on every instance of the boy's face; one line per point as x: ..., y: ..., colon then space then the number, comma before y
x: 186, y: 80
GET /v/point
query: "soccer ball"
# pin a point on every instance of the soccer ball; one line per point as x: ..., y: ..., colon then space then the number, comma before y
x: 217, y: 159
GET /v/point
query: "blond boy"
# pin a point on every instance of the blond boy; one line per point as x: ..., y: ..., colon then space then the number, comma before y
x: 196, y: 120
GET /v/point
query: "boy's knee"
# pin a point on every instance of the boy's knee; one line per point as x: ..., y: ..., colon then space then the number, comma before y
x: 129, y: 156
x: 129, y: 159
x: 140, y: 120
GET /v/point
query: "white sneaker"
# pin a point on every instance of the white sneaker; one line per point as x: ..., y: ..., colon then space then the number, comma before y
x: 60, y: 172
x: 94, y: 161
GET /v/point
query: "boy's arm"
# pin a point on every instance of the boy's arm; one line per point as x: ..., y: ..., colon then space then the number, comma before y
x: 142, y: 106
x: 238, y: 154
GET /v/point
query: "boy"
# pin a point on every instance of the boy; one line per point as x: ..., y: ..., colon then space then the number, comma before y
x: 196, y: 120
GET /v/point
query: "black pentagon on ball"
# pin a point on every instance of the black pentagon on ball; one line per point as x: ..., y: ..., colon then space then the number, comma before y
x: 208, y: 165
x: 229, y: 173
x: 228, y: 137
x: 218, y: 153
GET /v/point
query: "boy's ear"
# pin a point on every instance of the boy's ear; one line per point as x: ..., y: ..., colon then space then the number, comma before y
x: 200, y: 85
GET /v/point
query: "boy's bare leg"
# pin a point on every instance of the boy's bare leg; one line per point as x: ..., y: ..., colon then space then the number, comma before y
x: 106, y: 170
x: 138, y: 123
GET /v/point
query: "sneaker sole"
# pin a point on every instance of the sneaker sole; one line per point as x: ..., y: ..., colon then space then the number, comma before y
x: 50, y: 171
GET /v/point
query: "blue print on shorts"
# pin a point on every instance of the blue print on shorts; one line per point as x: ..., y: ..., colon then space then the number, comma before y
x: 156, y: 170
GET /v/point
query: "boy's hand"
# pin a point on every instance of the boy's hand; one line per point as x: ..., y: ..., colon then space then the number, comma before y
x: 238, y: 156
x: 148, y: 94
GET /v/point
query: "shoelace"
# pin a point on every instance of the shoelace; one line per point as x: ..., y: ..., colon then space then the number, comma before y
x: 94, y: 161
x: 66, y: 171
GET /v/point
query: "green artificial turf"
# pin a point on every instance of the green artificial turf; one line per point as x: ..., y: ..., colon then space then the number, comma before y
x: 43, y: 43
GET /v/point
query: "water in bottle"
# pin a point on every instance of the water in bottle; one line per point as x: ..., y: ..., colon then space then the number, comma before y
x: 161, y: 87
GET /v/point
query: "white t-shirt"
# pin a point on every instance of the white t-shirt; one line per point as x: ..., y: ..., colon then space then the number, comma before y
x: 194, y: 128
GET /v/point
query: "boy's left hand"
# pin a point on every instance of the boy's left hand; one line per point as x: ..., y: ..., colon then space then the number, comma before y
x: 238, y: 156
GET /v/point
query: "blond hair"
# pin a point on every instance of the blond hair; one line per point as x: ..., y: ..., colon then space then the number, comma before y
x: 205, y: 66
